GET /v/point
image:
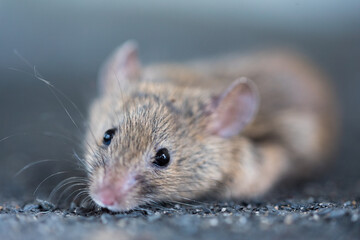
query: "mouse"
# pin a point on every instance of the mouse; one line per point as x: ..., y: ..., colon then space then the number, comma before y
x: 230, y: 127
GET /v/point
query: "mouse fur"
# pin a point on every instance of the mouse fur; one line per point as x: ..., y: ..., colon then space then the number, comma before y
x: 233, y: 127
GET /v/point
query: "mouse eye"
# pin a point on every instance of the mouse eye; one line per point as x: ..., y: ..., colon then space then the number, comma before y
x: 162, y: 158
x: 108, y: 136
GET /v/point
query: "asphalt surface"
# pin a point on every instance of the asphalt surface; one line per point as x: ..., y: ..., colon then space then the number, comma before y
x: 304, y: 212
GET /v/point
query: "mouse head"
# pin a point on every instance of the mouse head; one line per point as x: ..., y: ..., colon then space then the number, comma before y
x: 150, y: 142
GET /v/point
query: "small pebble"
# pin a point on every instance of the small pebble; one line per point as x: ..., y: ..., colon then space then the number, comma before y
x: 288, y: 220
x: 316, y: 217
x: 45, y: 205
x: 310, y: 200
x: 324, y: 211
x: 354, y: 217
x: 238, y: 208
x: 105, y: 218
x: 337, y: 213
x: 265, y: 222
x: 137, y: 214
x: 324, y: 204
x: 206, y: 210
x: 30, y: 207
x: 228, y: 220
x: 81, y: 211
x: 242, y: 220
x: 214, y: 222
x: 154, y: 217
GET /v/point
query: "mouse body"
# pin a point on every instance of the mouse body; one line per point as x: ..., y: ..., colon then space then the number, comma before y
x: 222, y: 128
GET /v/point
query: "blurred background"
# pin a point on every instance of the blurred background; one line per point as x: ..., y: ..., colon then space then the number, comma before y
x: 68, y: 40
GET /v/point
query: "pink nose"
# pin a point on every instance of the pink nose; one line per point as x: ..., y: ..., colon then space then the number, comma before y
x: 113, y: 191
x: 107, y: 197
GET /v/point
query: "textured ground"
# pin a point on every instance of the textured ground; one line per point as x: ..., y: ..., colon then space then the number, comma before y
x: 315, y: 210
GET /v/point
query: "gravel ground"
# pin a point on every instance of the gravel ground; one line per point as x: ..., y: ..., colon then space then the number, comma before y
x: 301, y: 213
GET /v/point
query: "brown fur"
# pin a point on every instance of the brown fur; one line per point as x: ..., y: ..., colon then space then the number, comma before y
x: 293, y: 132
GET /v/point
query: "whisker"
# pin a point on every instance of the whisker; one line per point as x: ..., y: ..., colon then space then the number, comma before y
x: 68, y: 188
x: 52, y: 134
x: 67, y: 99
x: 45, y: 133
x: 16, y: 52
x: 54, y: 90
x: 52, y: 175
x: 77, y: 157
x: 12, y: 135
x: 47, y: 83
x: 63, y: 183
x: 35, y: 163
x: 76, y: 190
x: 84, y: 191
x: 85, y: 200
x: 50, y: 87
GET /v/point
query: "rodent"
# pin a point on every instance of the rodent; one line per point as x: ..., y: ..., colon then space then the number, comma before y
x: 222, y: 128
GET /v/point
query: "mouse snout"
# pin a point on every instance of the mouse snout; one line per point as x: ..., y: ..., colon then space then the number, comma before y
x: 107, y: 197
x: 113, y: 191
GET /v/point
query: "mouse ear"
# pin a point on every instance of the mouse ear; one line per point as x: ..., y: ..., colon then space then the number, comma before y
x: 123, y: 64
x: 234, y: 109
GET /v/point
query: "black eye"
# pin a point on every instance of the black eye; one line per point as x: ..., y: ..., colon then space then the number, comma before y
x: 108, y: 136
x: 162, y: 158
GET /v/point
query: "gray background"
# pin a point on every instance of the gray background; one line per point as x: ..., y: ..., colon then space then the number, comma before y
x: 68, y: 40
